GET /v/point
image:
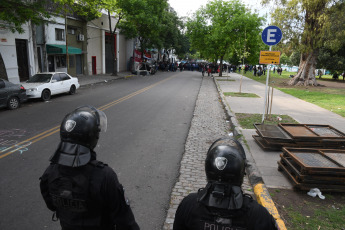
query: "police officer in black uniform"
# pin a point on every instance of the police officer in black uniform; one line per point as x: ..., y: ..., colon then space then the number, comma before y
x: 82, y: 192
x: 222, y: 205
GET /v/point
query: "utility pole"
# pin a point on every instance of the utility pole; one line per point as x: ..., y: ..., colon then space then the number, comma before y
x: 67, y: 58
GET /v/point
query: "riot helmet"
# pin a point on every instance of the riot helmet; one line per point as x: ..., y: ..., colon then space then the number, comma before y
x: 225, y: 162
x: 83, y: 125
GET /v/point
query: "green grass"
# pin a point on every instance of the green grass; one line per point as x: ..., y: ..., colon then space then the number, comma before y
x: 225, y: 80
x: 233, y: 94
x: 322, y: 218
x: 332, y: 99
x: 247, y: 120
x: 329, y: 101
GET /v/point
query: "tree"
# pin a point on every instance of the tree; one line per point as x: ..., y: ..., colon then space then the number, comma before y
x: 14, y: 14
x: 183, y: 46
x: 118, y: 9
x: 284, y: 59
x: 308, y: 25
x: 223, y: 27
x: 171, y: 32
x: 295, y: 58
x: 330, y: 60
x: 145, y: 23
x: 332, y: 54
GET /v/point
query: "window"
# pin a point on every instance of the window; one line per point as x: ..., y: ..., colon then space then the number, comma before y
x: 64, y: 77
x: 59, y: 35
x: 56, y: 77
x: 71, y: 30
x: 60, y: 60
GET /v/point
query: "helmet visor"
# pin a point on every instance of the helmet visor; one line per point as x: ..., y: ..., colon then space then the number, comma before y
x: 103, y: 124
x: 100, y: 115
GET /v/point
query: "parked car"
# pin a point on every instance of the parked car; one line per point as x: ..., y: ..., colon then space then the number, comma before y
x: 11, y: 95
x: 44, y: 85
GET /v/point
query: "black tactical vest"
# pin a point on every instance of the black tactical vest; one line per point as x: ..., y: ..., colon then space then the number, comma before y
x: 75, y: 203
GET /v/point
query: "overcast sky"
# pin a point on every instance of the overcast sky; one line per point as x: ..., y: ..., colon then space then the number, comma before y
x: 186, y: 7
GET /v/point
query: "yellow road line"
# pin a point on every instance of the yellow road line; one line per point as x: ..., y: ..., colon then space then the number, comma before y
x: 47, y: 133
x: 263, y: 197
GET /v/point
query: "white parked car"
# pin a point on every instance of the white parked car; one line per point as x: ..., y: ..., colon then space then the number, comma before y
x: 43, y: 85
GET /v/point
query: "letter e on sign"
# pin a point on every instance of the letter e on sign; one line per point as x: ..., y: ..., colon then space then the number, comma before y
x: 271, y: 35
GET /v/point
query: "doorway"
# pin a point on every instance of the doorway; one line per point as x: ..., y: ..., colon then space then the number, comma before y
x: 51, y: 63
x: 110, y: 51
x: 94, y: 64
x: 22, y: 59
x: 79, y: 64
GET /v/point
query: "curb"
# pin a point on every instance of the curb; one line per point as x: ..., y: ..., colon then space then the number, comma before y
x: 261, y: 193
x: 102, y: 80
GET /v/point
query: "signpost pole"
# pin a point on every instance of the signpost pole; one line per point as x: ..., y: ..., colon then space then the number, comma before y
x: 271, y: 35
x: 265, y: 103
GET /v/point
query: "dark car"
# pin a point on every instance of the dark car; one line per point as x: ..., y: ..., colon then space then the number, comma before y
x: 11, y: 95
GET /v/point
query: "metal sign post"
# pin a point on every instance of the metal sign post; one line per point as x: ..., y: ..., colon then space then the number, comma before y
x: 271, y: 35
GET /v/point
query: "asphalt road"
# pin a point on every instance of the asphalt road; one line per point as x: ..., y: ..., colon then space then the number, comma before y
x: 148, y: 122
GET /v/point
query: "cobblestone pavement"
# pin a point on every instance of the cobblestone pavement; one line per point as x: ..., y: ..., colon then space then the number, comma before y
x: 208, y: 124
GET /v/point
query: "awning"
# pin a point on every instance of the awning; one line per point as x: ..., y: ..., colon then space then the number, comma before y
x: 61, y: 49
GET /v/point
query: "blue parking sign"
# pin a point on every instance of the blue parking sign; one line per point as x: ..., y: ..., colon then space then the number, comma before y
x: 271, y: 35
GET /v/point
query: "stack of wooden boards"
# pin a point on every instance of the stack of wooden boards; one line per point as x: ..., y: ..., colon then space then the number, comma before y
x: 313, y: 155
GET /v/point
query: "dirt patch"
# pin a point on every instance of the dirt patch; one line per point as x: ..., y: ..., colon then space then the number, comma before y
x: 339, y: 84
x: 332, y: 84
x: 301, y: 211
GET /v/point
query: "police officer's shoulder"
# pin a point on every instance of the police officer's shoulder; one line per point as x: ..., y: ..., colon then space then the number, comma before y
x: 97, y: 163
x: 103, y: 168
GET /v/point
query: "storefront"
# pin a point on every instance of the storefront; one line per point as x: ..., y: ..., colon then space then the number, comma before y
x: 57, y: 61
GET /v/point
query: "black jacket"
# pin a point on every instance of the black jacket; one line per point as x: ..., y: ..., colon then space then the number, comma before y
x: 192, y: 215
x: 109, y: 207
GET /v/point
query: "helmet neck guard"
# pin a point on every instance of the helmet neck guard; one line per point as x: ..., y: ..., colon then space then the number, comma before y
x: 72, y: 155
x: 221, y: 195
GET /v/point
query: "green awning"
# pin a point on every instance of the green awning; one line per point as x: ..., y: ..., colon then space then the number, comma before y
x: 61, y: 49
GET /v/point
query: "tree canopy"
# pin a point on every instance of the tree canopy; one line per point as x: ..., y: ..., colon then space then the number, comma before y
x: 144, y: 22
x: 15, y: 13
x: 310, y: 25
x: 224, y: 28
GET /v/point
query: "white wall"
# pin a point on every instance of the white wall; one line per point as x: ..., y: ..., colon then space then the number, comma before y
x: 122, y: 46
x: 96, y: 42
x: 9, y: 53
x: 54, y: 23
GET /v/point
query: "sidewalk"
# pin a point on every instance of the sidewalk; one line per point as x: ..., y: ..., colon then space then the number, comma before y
x: 93, y: 79
x: 209, y: 123
x: 301, y: 111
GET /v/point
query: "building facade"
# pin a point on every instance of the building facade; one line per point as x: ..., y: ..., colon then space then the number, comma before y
x: 43, y: 48
x: 17, y: 53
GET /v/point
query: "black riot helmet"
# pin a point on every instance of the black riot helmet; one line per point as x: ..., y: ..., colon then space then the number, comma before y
x: 82, y: 126
x: 225, y: 162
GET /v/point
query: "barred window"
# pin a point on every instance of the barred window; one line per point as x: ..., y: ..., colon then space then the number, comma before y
x: 59, y: 35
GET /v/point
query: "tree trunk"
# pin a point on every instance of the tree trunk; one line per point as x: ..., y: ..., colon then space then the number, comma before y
x: 306, y: 71
x: 221, y: 66
x: 3, y: 73
x: 34, y: 45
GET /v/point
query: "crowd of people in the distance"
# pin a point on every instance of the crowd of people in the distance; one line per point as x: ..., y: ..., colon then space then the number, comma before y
x: 211, y: 68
